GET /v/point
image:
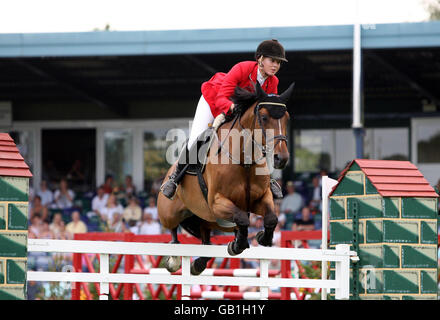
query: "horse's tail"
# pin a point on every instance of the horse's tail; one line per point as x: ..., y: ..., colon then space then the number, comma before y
x: 192, y: 225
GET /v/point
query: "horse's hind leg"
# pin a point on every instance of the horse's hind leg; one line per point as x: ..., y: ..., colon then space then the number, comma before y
x: 173, y: 263
x: 198, y: 265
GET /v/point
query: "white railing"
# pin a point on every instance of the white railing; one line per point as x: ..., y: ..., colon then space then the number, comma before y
x: 341, y: 256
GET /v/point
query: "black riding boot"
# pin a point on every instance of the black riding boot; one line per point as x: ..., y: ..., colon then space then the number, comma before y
x: 169, y: 188
x: 276, y: 189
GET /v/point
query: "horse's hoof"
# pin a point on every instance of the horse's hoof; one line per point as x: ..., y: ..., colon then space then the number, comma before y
x: 233, y: 251
x: 198, y: 266
x: 260, y: 239
x: 194, y: 272
x: 172, y: 264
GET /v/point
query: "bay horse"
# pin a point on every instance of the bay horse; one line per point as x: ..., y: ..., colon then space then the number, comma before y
x: 235, y: 188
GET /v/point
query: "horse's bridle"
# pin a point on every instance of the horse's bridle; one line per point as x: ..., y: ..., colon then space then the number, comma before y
x: 262, y: 148
x: 279, y: 137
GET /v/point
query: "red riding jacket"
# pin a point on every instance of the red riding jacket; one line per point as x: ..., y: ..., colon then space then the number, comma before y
x: 220, y: 87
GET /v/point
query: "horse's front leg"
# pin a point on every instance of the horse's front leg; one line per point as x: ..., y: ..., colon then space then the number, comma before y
x: 265, y: 208
x: 226, y: 209
x: 173, y: 263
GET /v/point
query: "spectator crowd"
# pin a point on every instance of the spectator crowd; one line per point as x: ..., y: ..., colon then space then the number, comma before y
x: 57, y: 214
x: 61, y: 213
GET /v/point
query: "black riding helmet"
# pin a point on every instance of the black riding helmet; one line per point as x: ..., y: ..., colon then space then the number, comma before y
x: 272, y: 49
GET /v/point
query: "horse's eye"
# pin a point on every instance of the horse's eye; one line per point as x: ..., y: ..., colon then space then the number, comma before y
x: 264, y: 118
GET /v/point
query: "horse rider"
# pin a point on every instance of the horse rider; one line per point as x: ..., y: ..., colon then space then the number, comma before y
x: 215, y: 100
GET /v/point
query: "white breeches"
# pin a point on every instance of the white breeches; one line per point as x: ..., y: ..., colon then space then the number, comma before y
x: 201, y: 120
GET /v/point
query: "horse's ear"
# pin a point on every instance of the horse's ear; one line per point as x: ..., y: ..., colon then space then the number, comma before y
x: 260, y: 92
x: 285, y: 96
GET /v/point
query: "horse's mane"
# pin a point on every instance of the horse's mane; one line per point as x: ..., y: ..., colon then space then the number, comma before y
x: 243, y: 99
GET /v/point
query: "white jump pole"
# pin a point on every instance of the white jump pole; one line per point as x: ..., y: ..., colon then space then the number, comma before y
x: 104, y: 270
x: 341, y: 256
x: 327, y: 185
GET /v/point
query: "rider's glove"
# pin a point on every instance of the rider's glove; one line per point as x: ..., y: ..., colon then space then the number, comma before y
x: 218, y: 121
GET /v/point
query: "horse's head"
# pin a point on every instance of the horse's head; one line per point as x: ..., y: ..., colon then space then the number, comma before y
x: 267, y: 112
x: 272, y: 118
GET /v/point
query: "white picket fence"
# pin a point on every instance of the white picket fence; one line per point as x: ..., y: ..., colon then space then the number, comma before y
x: 341, y: 256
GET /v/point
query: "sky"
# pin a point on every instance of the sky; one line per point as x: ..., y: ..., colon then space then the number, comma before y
x: 36, y: 16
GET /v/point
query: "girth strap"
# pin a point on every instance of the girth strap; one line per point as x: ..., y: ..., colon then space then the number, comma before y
x: 202, y: 184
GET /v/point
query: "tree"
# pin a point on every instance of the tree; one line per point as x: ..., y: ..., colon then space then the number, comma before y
x: 433, y: 8
x: 106, y: 28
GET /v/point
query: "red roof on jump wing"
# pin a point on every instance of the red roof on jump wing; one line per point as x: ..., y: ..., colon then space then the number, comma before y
x: 11, y: 161
x: 393, y: 178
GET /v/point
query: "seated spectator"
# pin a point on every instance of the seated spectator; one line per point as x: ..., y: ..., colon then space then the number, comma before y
x: 110, y: 209
x: 76, y: 225
x: 276, y: 241
x: 57, y: 224
x: 128, y: 188
x: 108, y: 184
x: 50, y: 173
x: 152, y: 208
x: 148, y: 225
x: 155, y: 186
x: 281, y: 216
x: 76, y: 173
x: 64, y: 196
x: 38, y: 260
x: 133, y: 212
x: 315, y: 194
x: 36, y: 227
x: 305, y: 222
x: 45, y: 194
x: 291, y: 204
x: 63, y: 233
x: 58, y: 228
x: 38, y: 209
x: 99, y: 201
x: 116, y: 224
x: 46, y: 233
